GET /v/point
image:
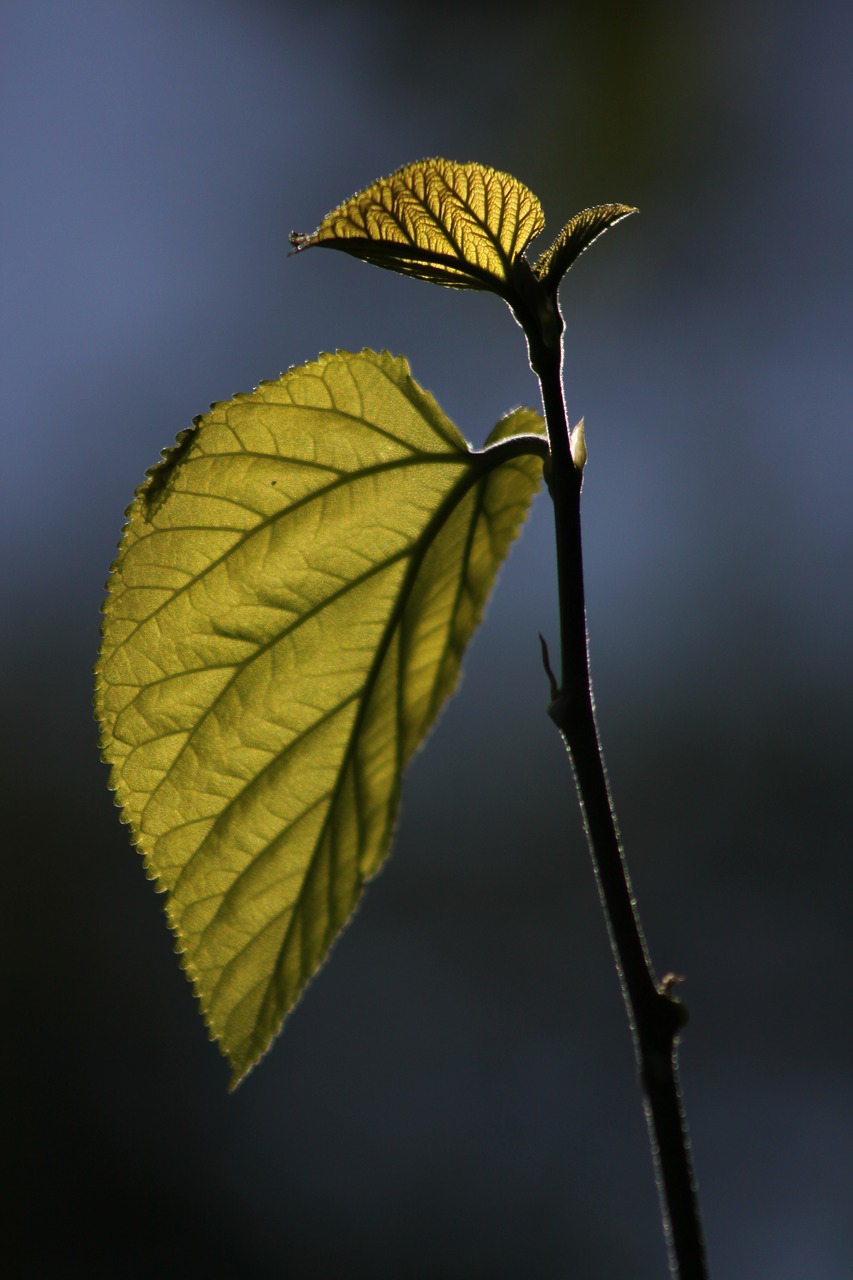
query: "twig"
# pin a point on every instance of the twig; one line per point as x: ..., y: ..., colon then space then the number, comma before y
x: 655, y: 1015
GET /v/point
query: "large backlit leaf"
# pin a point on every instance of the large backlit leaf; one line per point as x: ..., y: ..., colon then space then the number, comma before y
x: 292, y: 597
x: 576, y: 236
x: 462, y: 225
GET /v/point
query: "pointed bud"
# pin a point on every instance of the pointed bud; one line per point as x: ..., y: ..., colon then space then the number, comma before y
x: 577, y: 440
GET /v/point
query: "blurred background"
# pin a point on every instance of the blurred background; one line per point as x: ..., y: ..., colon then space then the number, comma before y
x: 454, y: 1099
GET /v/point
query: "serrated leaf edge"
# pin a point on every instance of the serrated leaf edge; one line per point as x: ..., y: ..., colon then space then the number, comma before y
x: 523, y: 444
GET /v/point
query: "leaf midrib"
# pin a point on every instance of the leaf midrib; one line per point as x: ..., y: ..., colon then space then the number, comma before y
x: 488, y: 460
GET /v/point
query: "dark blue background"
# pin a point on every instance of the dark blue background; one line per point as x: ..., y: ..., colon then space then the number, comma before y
x: 454, y: 1098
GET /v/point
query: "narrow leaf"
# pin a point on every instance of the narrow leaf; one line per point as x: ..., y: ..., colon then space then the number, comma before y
x: 291, y: 601
x: 461, y: 225
x: 576, y: 236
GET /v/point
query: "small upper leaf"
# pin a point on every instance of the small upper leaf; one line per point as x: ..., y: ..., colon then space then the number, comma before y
x: 577, y: 235
x: 461, y: 225
x: 292, y: 598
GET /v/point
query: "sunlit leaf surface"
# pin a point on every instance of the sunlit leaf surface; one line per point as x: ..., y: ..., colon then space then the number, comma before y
x: 292, y: 597
x: 461, y: 225
x: 576, y: 236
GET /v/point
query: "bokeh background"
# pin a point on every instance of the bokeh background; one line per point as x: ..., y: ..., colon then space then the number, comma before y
x: 454, y: 1099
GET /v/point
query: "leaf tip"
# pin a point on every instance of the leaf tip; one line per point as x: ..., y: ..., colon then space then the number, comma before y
x: 299, y: 240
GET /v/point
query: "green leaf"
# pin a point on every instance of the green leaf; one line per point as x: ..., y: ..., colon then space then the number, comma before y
x: 293, y: 594
x: 576, y: 236
x: 461, y: 225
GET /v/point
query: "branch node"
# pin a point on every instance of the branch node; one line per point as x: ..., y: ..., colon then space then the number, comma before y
x: 677, y: 1011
